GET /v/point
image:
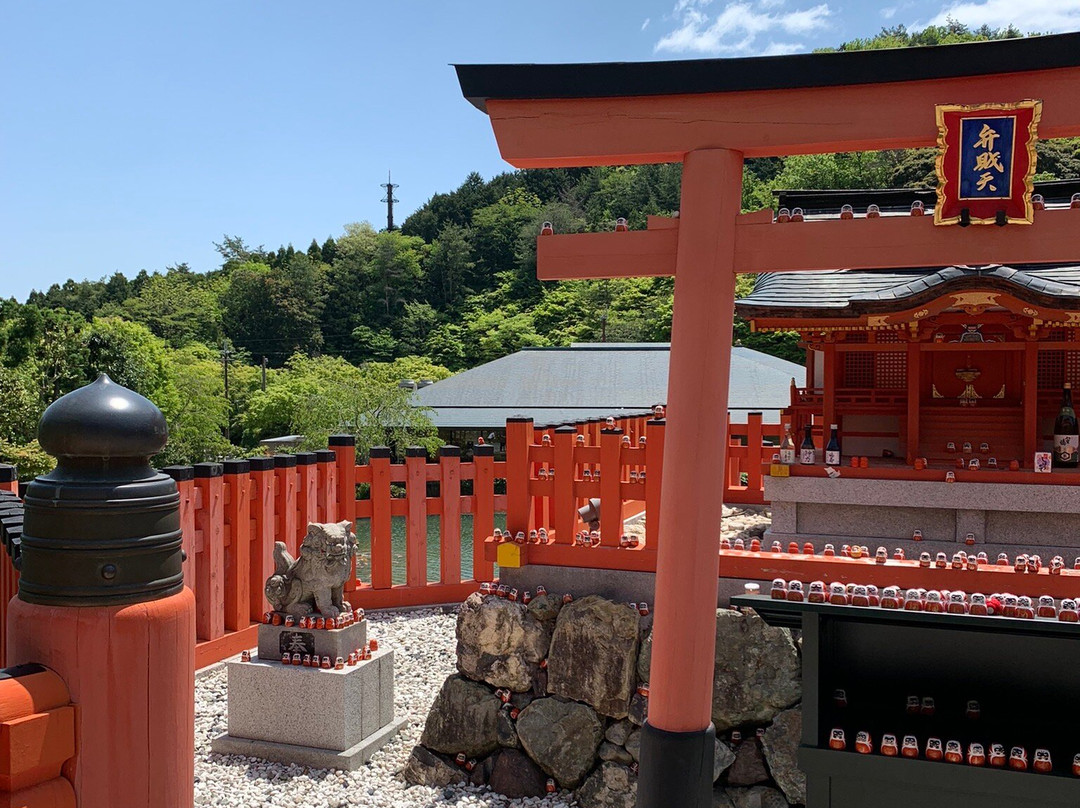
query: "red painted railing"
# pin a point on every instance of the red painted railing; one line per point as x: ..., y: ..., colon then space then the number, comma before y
x: 233, y: 512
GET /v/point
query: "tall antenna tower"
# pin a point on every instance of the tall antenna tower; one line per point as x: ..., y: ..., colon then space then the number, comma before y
x: 389, y: 200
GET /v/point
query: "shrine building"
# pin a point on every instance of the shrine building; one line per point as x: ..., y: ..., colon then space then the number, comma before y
x: 917, y: 362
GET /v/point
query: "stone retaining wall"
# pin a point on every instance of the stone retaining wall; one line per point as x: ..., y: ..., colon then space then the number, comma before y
x: 573, y: 718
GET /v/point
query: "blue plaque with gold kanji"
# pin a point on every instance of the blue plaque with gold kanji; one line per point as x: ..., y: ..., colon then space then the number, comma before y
x: 986, y: 162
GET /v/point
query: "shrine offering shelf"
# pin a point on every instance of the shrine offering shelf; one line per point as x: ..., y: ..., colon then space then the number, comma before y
x: 1022, y: 672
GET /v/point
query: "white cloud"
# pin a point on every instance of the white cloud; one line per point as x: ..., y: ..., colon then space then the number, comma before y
x: 889, y: 13
x: 1030, y: 15
x: 781, y: 48
x: 737, y: 27
x: 645, y: 24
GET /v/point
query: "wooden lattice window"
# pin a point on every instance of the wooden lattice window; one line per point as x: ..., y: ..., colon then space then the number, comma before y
x: 1051, y: 370
x: 859, y: 369
x: 858, y: 337
x: 1072, y: 367
x: 887, y: 336
x: 890, y: 370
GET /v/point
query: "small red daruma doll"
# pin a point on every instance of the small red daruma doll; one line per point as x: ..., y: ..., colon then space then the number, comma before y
x: 1008, y: 605
x: 924, y: 560
x: 954, y: 753
x: 779, y: 589
x: 829, y: 551
x: 864, y: 744
x: 816, y: 593
x: 941, y: 561
x: 1042, y: 762
x: 913, y: 601
x: 1047, y: 607
x: 837, y: 740
x: 913, y: 705
x: 898, y: 554
x: 997, y: 755
x: 1018, y: 760
x: 957, y: 603
x: 1076, y: 766
x: 1025, y: 609
x: 927, y: 707
x: 860, y: 597
x: 973, y: 710
x: 550, y: 786
x: 890, y: 597
x: 934, y: 750
x: 978, y: 604
x: 795, y: 591
x: 874, y: 594
x: 910, y: 747
x: 976, y: 756
x: 839, y: 697
x: 1068, y: 613
x: 933, y: 602
x: 889, y: 746
x: 838, y: 594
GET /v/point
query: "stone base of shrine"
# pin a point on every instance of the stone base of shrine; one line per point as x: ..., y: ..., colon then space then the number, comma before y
x: 316, y: 717
x: 1002, y: 517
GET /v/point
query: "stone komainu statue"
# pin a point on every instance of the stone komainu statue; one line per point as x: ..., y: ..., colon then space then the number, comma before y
x: 314, y: 582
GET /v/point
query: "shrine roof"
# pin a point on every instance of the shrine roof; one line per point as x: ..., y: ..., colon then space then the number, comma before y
x: 852, y: 293
x: 479, y: 83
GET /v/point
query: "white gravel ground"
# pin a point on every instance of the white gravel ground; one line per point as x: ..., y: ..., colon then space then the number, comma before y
x: 424, y: 644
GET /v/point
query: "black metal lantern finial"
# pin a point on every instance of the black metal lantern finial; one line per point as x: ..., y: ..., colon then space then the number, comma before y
x: 102, y: 528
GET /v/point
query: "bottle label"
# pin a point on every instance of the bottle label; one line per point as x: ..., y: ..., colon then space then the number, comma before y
x: 807, y: 457
x: 1065, y: 447
x: 787, y: 457
x: 832, y: 458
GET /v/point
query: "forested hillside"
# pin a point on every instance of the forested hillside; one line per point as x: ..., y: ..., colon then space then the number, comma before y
x: 340, y: 322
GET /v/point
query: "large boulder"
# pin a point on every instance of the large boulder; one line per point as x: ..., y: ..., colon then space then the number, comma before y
x: 756, y: 797
x: 757, y: 671
x: 610, y: 786
x: 781, y: 744
x: 506, y: 732
x: 644, y: 660
x: 619, y: 731
x: 425, y: 768
x: 464, y: 718
x: 614, y: 753
x: 749, y: 766
x: 516, y: 776
x: 723, y: 757
x: 562, y: 737
x: 594, y: 653
x: 499, y: 642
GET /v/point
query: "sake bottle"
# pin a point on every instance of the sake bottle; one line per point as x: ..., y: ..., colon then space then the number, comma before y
x: 832, y: 451
x: 806, y: 451
x: 787, y: 447
x: 1066, y: 433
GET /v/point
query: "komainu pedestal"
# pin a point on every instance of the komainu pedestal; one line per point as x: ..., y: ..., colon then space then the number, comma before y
x: 318, y: 717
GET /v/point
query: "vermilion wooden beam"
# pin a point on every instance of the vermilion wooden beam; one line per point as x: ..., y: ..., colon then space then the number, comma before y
x: 556, y: 133
x: 763, y: 246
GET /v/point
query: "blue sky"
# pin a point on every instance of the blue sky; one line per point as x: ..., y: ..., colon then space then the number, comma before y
x: 133, y: 135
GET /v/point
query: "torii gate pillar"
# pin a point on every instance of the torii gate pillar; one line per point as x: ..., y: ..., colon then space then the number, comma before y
x: 677, y: 743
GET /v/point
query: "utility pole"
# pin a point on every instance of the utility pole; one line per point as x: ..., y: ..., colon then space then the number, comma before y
x: 389, y: 200
x: 226, y: 353
x: 264, y: 374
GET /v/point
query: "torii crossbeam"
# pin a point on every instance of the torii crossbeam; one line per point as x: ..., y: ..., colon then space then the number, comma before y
x: 710, y: 115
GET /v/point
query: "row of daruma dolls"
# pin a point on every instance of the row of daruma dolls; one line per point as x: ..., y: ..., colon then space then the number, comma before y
x: 961, y: 560
x: 938, y: 601
x: 314, y: 661
x: 346, y: 618
x: 951, y: 752
x: 511, y: 594
x: 584, y: 538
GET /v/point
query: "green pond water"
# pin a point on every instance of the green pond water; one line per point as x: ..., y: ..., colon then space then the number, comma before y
x: 397, y: 529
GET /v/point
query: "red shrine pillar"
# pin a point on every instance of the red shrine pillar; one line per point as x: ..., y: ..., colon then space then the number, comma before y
x: 677, y: 743
x: 102, y: 600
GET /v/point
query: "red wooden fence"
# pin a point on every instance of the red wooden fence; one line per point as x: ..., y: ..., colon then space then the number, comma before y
x: 232, y: 512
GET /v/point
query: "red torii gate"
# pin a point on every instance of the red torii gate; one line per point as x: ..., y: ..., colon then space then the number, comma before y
x: 710, y: 115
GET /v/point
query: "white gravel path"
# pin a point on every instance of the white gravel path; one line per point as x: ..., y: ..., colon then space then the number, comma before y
x: 424, y: 644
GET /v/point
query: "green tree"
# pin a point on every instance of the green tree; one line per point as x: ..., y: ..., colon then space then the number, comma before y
x: 179, y: 306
